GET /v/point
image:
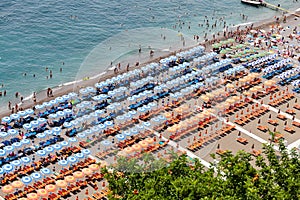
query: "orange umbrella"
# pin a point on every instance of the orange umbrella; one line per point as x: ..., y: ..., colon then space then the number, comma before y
x: 23, y: 198
x: 136, y: 147
x: 61, y: 183
x: 229, y: 85
x: 94, y: 167
x: 87, y: 171
x: 168, y: 115
x: 149, y: 140
x: 179, y: 110
x: 17, y: 184
x: 70, y: 179
x: 50, y: 188
x: 143, y: 144
x: 42, y: 192
x: 246, y: 93
x: 172, y: 129
x: 128, y: 150
x: 32, y: 196
x: 7, y: 189
x: 78, y: 174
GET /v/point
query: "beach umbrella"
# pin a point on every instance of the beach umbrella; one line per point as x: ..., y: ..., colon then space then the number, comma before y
x: 17, y: 184
x: 3, y: 135
x: 50, y: 188
x: 57, y: 147
x: 48, y: 132
x: 14, y: 116
x: 87, y: 171
x: 120, y: 137
x: 27, y: 126
x: 79, y: 155
x: 94, y: 167
x: 26, y: 180
x: 41, y: 153
x: 72, y: 140
x: 70, y: 179
x: 41, y: 135
x: 36, y: 176
x: 32, y: 196
x: 45, y: 171
x: 34, y: 123
x: 22, y: 113
x: 86, y: 152
x: 78, y: 174
x: 63, y: 163
x: 6, y: 119
x: 59, y: 99
x: 12, y: 132
x: 68, y: 125
x: 109, y: 123
x: 49, y: 149
x: 72, y: 159
x: 61, y: 183
x: 8, y: 149
x: 7, y: 189
x: 29, y: 111
x: 56, y: 130
x: 25, y: 160
x: 2, y: 153
x: 52, y: 116
x: 42, y: 193
x: 106, y: 143
x: 64, y: 143
x: 16, y: 163
x: 81, y: 135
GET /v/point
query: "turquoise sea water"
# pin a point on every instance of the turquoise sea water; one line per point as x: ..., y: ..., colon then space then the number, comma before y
x: 39, y: 34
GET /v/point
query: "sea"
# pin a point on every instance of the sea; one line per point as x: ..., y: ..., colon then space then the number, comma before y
x: 73, y: 40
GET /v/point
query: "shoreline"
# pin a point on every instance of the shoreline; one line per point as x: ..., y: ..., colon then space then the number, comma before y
x: 74, y: 86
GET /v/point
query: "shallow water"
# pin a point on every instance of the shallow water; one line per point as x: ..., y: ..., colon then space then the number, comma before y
x: 35, y: 35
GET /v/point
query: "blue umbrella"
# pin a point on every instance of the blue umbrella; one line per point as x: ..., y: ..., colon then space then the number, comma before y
x: 41, y: 120
x: 79, y: 155
x: 66, y: 97
x: 26, y: 180
x: 22, y: 113
x: 72, y: 140
x: 57, y: 146
x: 45, y: 171
x: 140, y: 127
x: 39, y: 107
x: 2, y: 152
x: 3, y: 134
x: 47, y: 104
x: 49, y: 149
x: 106, y: 143
x: 12, y: 132
x: 63, y: 163
x: 16, y: 163
x: 17, y: 145
x: 68, y: 111
x: 59, y: 99
x: 88, y: 132
x: 8, y: 168
x: 64, y: 143
x: 6, y: 119
x: 102, y: 127
x: 60, y: 114
x: 25, y: 160
x: 132, y: 113
x: 1, y: 171
x: 109, y: 123
x: 25, y: 141
x: 29, y: 111
x: 134, y: 131
x: 147, y: 124
x: 41, y: 153
x: 86, y: 152
x: 36, y: 176
x: 53, y: 116
x: 41, y: 135
x: 53, y: 101
x: 9, y: 149
x: 74, y: 122
x: 120, y: 137
x: 95, y: 129
x: 15, y: 116
x: 56, y: 130
x: 68, y: 124
x: 48, y: 132
x: 72, y: 160
x: 81, y: 135
x: 99, y: 112
x: 127, y: 133
x: 27, y: 126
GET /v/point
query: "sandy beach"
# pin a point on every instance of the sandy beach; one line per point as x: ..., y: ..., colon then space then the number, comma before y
x: 214, y: 117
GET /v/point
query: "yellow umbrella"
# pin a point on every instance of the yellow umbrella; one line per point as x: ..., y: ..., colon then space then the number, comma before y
x: 200, y: 116
x: 231, y: 101
x: 42, y: 192
x: 236, y: 98
x: 171, y: 129
x: 78, y: 174
x: 136, y: 147
x: 269, y: 82
x: 168, y: 115
x: 253, y: 89
x: 7, y: 189
x: 149, y: 140
x: 210, y: 95
x: 87, y: 171
x: 94, y: 167
x: 179, y: 110
x: 61, y: 183
x: 50, y: 188
x: 258, y: 87
x: 143, y: 144
x: 246, y: 93
x: 229, y: 85
x: 204, y: 97
x: 128, y: 150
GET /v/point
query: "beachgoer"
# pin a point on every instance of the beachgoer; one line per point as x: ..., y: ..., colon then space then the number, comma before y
x: 127, y: 67
x: 50, y: 75
x: 4, y: 93
x: 17, y: 94
x: 9, y: 105
x: 60, y: 70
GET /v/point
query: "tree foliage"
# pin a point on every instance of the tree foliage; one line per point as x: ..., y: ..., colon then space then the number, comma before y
x: 272, y: 175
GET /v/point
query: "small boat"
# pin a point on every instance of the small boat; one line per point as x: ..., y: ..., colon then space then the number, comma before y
x: 253, y: 2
